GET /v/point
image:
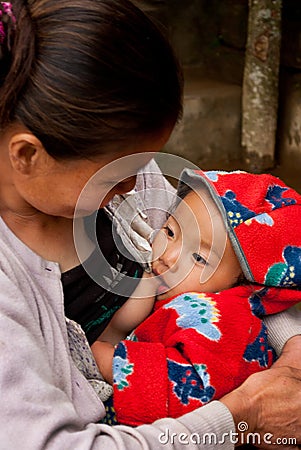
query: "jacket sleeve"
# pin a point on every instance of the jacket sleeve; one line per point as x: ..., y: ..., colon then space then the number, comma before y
x: 193, y: 349
x: 38, y: 411
x: 281, y: 327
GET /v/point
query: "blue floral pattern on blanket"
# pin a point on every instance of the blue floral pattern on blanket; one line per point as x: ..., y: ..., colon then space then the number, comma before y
x: 275, y: 198
x: 196, y: 311
x: 256, y: 303
x: 190, y: 382
x: 214, y: 174
x: 259, y: 349
x: 122, y: 368
x: 286, y: 273
x: 238, y: 213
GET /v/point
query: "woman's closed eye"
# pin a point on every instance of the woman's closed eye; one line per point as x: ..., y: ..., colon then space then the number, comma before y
x: 168, y: 231
x: 199, y: 259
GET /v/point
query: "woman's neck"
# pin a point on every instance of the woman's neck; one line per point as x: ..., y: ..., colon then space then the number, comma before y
x: 48, y: 236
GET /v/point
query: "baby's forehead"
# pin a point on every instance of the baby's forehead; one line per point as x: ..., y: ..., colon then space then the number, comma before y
x: 200, y: 221
x: 196, y: 198
x: 202, y: 193
x: 197, y: 207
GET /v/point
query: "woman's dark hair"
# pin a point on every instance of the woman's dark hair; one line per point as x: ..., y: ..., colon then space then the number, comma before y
x: 183, y: 190
x: 82, y: 75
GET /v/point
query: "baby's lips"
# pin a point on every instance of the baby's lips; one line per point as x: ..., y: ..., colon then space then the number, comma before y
x: 162, y: 286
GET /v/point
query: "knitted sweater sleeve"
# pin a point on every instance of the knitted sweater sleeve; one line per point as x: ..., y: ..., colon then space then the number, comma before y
x: 208, y: 428
x: 283, y: 326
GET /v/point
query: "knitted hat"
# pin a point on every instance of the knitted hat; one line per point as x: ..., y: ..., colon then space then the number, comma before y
x: 263, y: 220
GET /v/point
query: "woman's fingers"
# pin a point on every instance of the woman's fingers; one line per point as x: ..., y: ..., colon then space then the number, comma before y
x: 269, y: 403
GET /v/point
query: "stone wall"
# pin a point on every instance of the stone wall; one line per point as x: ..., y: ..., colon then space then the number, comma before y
x: 209, y: 37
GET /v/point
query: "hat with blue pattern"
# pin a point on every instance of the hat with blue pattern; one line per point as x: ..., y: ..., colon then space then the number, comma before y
x: 263, y: 220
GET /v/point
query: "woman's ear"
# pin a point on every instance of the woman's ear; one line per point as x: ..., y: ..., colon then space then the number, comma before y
x: 25, y: 151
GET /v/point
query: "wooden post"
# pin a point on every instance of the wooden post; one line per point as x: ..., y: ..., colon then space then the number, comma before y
x: 260, y: 84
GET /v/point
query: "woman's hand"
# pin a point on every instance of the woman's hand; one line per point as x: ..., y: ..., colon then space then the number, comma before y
x: 103, y: 353
x: 291, y: 354
x: 269, y: 402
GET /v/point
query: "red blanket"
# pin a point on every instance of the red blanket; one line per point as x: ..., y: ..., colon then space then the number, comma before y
x: 194, y: 348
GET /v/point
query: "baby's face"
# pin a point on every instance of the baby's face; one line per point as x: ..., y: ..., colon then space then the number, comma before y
x: 192, y: 251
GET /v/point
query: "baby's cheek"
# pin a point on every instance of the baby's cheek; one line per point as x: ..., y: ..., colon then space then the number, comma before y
x: 159, y: 245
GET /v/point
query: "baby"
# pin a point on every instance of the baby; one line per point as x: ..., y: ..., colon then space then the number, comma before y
x: 228, y: 255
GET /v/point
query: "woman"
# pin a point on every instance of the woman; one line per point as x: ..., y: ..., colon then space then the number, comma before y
x: 83, y: 84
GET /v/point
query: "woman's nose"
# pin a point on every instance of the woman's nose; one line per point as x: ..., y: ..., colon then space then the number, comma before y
x: 126, y: 185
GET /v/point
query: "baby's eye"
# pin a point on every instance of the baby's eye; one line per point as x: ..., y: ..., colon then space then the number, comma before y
x: 169, y: 231
x: 199, y: 259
